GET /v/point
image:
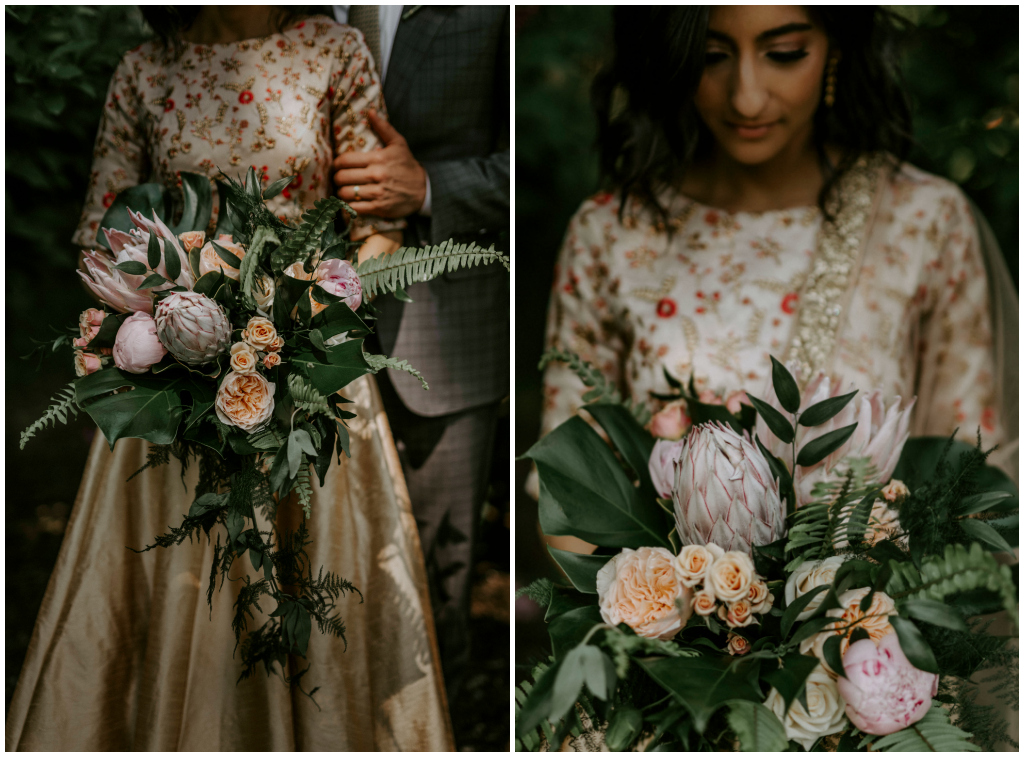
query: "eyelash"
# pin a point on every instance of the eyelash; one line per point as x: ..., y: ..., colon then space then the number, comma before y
x: 712, y: 58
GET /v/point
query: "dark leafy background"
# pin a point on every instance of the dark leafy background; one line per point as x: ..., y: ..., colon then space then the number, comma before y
x: 961, y: 68
x: 58, y: 64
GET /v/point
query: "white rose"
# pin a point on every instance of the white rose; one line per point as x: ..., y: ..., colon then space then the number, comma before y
x: 849, y: 616
x: 642, y: 588
x: 263, y: 292
x: 810, y: 575
x: 730, y: 576
x: 694, y: 561
x: 825, y: 714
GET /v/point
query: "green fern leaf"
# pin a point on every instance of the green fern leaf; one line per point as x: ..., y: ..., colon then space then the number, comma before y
x: 958, y: 569
x: 266, y: 438
x: 302, y: 242
x: 380, y: 362
x: 304, y: 490
x: 307, y: 398
x: 62, y: 403
x: 411, y: 265
x: 250, y: 263
x: 932, y: 733
x: 602, y: 391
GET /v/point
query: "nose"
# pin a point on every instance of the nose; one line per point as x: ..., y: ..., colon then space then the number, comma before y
x: 749, y: 95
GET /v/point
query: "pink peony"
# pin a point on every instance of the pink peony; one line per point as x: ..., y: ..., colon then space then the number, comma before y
x: 884, y: 693
x: 136, y: 346
x: 671, y: 422
x: 339, y: 277
x: 662, y: 465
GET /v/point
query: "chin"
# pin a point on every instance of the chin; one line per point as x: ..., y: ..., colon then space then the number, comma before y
x: 750, y: 153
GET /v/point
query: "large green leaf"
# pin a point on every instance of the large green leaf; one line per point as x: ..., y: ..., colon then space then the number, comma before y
x: 790, y: 680
x: 631, y: 441
x: 337, y: 318
x: 151, y: 410
x: 142, y: 198
x: 580, y: 569
x: 704, y: 684
x: 757, y: 728
x: 197, y: 203
x: 346, y: 365
x: 585, y: 493
x: 570, y: 628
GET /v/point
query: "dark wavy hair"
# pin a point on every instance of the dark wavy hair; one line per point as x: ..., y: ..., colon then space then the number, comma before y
x: 649, y: 130
x: 170, y: 21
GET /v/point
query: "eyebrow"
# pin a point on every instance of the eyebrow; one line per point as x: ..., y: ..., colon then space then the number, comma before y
x: 765, y: 35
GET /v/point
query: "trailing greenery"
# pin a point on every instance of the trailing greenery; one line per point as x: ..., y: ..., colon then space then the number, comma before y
x: 380, y: 362
x: 307, y: 398
x: 63, y: 402
x: 602, y: 391
x: 408, y: 265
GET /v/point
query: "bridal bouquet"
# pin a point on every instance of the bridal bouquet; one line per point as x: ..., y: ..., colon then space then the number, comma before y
x: 232, y: 350
x: 783, y: 572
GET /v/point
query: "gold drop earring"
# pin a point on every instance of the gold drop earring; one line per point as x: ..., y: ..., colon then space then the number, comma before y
x: 830, y: 82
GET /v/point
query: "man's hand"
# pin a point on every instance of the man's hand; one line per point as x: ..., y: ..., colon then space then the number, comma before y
x: 391, y: 184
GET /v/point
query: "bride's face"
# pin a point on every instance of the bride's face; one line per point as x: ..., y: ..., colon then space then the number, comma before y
x: 762, y: 81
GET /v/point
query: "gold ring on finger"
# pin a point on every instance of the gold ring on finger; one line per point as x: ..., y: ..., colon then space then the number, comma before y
x: 355, y: 191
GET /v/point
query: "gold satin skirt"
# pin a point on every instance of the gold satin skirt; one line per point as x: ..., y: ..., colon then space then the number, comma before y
x: 127, y: 655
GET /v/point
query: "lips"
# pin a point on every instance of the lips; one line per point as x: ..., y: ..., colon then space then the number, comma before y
x: 752, y: 131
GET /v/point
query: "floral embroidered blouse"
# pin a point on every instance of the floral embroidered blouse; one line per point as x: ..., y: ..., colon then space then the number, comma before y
x: 285, y: 104
x: 721, y: 294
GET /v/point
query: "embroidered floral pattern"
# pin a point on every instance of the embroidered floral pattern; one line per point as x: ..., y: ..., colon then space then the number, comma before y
x: 226, y: 106
x: 726, y: 290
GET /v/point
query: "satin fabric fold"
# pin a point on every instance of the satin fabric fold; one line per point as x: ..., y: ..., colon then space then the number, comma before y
x: 127, y: 655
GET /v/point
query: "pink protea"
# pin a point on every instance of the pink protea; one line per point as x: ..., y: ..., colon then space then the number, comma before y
x: 192, y: 327
x: 134, y: 246
x: 882, y: 430
x: 111, y: 286
x: 724, y: 491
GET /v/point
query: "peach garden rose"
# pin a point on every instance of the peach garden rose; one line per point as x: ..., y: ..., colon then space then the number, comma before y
x: 642, y: 588
x: 245, y: 400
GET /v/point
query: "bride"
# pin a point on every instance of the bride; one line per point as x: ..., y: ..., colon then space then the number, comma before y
x: 125, y: 653
x: 762, y: 205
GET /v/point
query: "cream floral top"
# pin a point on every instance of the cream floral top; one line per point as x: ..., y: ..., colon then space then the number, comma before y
x: 285, y: 104
x: 721, y: 293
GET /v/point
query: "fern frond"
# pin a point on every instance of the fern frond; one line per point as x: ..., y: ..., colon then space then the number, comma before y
x: 380, y: 362
x: 266, y: 438
x: 411, y: 265
x: 307, y: 398
x: 957, y: 570
x: 532, y: 741
x: 63, y: 403
x: 302, y: 242
x: 540, y: 591
x: 932, y: 733
x: 602, y: 390
x: 304, y: 490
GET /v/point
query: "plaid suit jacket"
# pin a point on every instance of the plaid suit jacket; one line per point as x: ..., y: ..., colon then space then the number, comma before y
x: 447, y: 93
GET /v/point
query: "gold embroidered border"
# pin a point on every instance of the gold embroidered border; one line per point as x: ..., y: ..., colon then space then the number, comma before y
x: 839, y: 241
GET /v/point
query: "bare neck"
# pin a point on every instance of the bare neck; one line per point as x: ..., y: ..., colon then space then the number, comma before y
x: 793, y: 178
x: 223, y: 24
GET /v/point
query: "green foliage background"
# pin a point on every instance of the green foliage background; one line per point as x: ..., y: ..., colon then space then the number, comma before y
x: 961, y: 68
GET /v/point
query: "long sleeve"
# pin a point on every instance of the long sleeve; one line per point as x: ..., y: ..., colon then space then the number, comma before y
x: 472, y: 196
x: 120, y: 156
x: 356, y: 89
x: 956, y: 386
x: 582, y: 318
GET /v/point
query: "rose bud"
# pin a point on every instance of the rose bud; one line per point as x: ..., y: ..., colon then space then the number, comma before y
x: 671, y: 422
x: 895, y: 490
x: 734, y: 401
x: 192, y: 240
x: 89, y: 322
x: 737, y: 644
x: 243, y: 358
x: 260, y: 333
x: 136, y: 346
x: 704, y: 602
x: 737, y: 614
x: 709, y: 397
x: 276, y: 345
x: 271, y: 359
x: 80, y: 342
x: 86, y: 363
x: 695, y: 560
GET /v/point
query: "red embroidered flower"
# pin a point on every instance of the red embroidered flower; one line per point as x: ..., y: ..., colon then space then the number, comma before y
x: 108, y: 199
x: 701, y: 310
x: 286, y: 194
x: 297, y: 183
x: 280, y: 43
x: 168, y: 105
x: 243, y: 124
x: 789, y: 303
x: 988, y: 419
x: 603, y: 198
x: 666, y: 308
x: 301, y: 25
x: 711, y: 218
x: 245, y: 97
